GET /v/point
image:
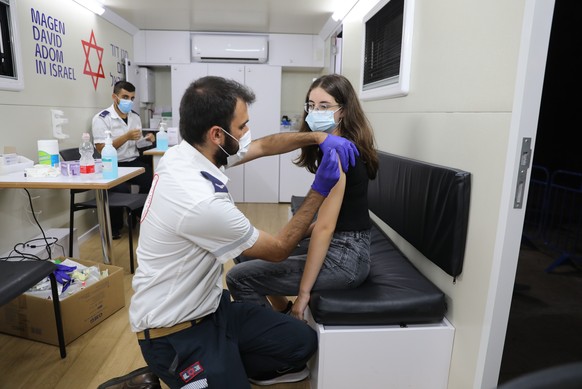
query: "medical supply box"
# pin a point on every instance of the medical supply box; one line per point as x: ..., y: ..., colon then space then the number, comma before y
x: 33, y: 317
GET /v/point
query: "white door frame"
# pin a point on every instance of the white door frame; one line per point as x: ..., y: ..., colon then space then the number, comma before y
x: 537, y: 22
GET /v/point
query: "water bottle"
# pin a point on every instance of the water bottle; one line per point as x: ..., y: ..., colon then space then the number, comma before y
x: 162, y: 138
x: 109, y: 158
x: 87, y: 163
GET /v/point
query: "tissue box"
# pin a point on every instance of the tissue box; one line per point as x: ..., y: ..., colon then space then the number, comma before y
x: 73, y: 168
x: 70, y: 168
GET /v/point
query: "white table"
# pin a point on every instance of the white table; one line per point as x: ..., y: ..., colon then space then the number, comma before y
x: 156, y: 156
x: 95, y: 182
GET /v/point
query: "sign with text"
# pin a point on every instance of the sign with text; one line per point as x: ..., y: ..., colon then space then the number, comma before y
x: 48, y: 33
x: 55, y: 55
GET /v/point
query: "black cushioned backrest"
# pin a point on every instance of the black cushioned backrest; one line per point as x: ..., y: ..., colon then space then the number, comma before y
x: 74, y: 155
x: 426, y: 204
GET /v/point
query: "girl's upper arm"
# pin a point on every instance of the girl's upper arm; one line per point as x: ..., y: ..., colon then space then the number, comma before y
x: 329, y: 210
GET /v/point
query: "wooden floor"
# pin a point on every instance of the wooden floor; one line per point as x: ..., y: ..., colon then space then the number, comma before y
x: 110, y: 349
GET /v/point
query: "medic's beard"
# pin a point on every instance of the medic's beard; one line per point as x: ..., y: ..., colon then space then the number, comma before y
x: 231, y: 147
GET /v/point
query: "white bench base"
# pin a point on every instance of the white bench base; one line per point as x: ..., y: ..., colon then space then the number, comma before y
x: 382, y: 357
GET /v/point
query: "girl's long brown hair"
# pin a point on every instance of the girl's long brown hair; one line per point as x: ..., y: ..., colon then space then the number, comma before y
x: 353, y: 125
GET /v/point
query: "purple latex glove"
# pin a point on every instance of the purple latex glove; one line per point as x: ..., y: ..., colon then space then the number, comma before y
x: 346, y: 150
x: 327, y: 174
x: 62, y: 273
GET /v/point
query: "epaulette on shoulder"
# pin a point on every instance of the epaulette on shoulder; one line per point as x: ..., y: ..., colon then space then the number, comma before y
x: 104, y: 113
x: 218, y: 185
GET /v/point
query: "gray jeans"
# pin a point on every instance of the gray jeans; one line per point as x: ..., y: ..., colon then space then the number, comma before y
x: 346, y: 266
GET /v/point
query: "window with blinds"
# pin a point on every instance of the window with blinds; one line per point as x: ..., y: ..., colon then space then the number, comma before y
x: 386, y: 61
x: 383, y: 46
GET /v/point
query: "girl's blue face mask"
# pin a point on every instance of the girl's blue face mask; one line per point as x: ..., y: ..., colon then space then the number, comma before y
x: 321, y: 120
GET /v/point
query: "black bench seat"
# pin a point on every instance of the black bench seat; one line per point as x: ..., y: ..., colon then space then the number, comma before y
x: 427, y: 205
x: 394, y: 293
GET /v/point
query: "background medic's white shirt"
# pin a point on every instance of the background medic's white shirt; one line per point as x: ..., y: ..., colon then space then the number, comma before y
x: 109, y: 120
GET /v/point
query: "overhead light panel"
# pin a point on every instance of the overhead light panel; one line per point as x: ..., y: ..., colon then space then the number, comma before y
x: 92, y: 5
x: 341, y: 11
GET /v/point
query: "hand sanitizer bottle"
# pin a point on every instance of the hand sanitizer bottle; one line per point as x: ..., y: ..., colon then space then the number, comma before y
x: 162, y: 138
x: 109, y: 158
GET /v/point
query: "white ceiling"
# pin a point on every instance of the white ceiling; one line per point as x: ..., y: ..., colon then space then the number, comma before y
x: 262, y: 16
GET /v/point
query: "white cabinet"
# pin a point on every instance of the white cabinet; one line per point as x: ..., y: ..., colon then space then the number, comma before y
x: 256, y: 181
x: 293, y: 180
x: 161, y: 47
x: 183, y: 75
x: 139, y: 48
x: 237, y: 175
x: 296, y: 51
x: 290, y: 51
x: 259, y: 179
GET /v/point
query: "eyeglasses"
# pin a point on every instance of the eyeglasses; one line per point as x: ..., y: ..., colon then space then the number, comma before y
x: 310, y: 107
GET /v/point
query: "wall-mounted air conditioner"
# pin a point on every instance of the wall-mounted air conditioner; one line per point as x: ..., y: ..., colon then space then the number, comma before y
x: 230, y: 48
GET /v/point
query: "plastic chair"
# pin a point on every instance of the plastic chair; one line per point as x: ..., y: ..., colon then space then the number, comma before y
x: 129, y: 202
x: 16, y: 277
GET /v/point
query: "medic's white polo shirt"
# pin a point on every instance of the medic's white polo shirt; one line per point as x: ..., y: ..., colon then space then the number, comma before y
x: 190, y: 227
x: 109, y: 120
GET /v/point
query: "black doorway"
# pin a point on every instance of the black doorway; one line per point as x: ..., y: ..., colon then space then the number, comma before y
x: 545, y: 320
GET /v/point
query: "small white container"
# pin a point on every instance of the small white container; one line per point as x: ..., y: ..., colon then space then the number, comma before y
x: 21, y: 164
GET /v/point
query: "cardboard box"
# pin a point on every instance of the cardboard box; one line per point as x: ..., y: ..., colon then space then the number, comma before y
x: 33, y: 318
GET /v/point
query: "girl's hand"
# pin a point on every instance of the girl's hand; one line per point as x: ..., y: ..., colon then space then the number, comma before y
x: 300, y: 305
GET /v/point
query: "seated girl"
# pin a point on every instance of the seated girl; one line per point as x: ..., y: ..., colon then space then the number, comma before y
x: 338, y: 256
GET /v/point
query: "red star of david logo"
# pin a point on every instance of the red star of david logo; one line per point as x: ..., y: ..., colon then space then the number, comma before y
x: 88, y: 70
